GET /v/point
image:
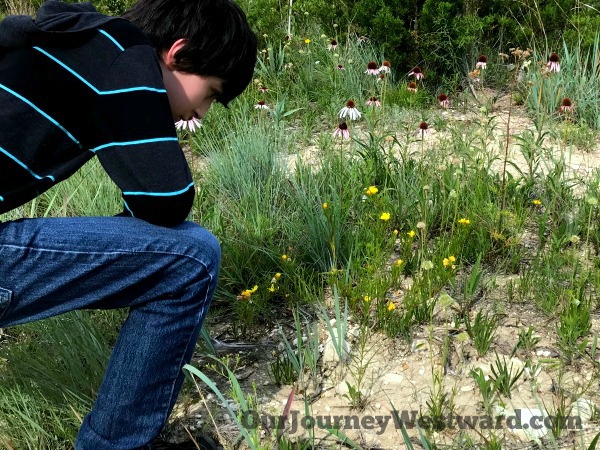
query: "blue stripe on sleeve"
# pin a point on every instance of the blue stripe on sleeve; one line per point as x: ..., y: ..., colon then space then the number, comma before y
x: 25, y: 167
x: 162, y: 194
x: 92, y: 87
x: 128, y: 209
x: 119, y: 46
x: 20, y: 97
x: 142, y: 141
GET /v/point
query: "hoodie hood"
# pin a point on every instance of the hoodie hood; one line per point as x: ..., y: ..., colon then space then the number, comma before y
x: 55, y: 21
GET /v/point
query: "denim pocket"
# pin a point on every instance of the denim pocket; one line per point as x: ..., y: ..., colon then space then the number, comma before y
x: 5, y: 298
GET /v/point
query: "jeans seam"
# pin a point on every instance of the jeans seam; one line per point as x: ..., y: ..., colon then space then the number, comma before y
x: 118, y: 252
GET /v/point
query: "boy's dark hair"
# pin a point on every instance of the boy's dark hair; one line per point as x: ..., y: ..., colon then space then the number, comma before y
x: 219, y: 40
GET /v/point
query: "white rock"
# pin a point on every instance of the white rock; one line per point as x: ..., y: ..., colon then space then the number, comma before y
x: 330, y: 354
x: 392, y: 378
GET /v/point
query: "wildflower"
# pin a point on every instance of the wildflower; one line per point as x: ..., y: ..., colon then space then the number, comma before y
x: 275, y: 278
x: 191, y: 124
x: 373, y: 102
x: 263, y: 89
x: 574, y: 239
x: 481, y: 62
x: 367, y: 298
x: 362, y: 39
x: 423, y: 130
x: 372, y: 68
x: 445, y: 262
x: 411, y: 234
x: 288, y: 37
x: 417, y: 72
x: 261, y: 105
x: 332, y: 45
x: 399, y: 262
x: 427, y: 265
x: 464, y: 221
x: 284, y: 257
x: 566, y: 105
x: 247, y: 293
x: 372, y: 190
x: 342, y: 131
x: 307, y: 41
x: 412, y: 87
x: 554, y: 63
x: 475, y: 75
x: 325, y: 205
x: 391, y: 306
x: 443, y: 100
x: 395, y: 232
x: 381, y: 77
x: 386, y: 67
x: 537, y: 202
x: 385, y: 216
x: 421, y: 225
x: 340, y: 67
x: 592, y: 201
x: 350, y: 111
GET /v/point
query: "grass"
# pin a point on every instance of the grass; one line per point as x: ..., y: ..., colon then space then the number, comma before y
x: 297, y: 219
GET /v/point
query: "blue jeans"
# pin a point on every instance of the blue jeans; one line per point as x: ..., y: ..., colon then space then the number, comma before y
x: 166, y: 276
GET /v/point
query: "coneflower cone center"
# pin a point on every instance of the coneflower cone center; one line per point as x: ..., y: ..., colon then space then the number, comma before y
x: 350, y: 104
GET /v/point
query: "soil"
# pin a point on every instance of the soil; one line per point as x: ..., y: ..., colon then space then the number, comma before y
x: 402, y: 376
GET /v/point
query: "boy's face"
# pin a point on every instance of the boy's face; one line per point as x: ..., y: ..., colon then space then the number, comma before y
x: 190, y: 95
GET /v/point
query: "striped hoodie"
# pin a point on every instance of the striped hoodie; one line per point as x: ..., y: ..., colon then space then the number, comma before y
x: 75, y: 84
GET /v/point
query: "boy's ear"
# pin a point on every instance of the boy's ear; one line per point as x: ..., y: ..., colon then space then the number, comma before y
x: 168, y: 55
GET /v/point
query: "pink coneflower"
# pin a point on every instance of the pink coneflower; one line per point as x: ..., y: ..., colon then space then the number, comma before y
x: 373, y: 102
x: 412, y: 87
x: 261, y: 105
x: 481, y: 62
x: 423, y: 130
x: 342, y: 131
x: 554, y: 63
x: 263, y: 89
x: 362, y: 39
x: 350, y: 111
x: 372, y: 68
x: 566, y: 105
x: 332, y: 45
x: 386, y: 67
x: 340, y: 67
x: 190, y: 124
x: 443, y: 100
x: 417, y: 72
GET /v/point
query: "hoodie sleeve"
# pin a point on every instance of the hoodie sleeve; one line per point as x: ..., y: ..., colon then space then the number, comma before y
x: 136, y: 141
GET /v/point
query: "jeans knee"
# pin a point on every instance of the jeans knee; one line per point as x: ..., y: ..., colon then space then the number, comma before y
x: 204, y: 247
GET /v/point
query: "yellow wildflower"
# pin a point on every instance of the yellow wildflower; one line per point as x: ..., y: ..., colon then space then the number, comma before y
x: 395, y: 232
x: 411, y: 234
x: 372, y: 190
x: 537, y: 202
x: 367, y: 298
x: 445, y: 262
x: 452, y: 258
x: 307, y: 41
x: 385, y: 216
x: 391, y: 306
x: 272, y: 288
x: 325, y: 205
x: 464, y: 221
x: 399, y: 262
x: 277, y: 275
x: 284, y: 257
x: 247, y: 293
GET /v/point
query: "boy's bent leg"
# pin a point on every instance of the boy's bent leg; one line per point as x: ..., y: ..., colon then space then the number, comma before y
x: 166, y: 275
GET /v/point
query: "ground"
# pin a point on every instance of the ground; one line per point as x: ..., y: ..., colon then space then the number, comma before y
x: 434, y: 371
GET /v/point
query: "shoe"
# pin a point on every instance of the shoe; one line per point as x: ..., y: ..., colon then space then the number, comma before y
x: 204, y: 441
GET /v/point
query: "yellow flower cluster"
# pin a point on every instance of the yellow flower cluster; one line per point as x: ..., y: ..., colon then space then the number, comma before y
x: 391, y: 306
x: 273, y: 281
x: 385, y: 216
x: 246, y: 294
x: 372, y: 190
x: 367, y: 298
x: 464, y: 221
x: 449, y: 262
x: 537, y: 202
x: 411, y: 234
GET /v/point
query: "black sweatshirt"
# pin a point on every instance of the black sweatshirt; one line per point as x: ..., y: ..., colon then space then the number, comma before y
x: 74, y: 84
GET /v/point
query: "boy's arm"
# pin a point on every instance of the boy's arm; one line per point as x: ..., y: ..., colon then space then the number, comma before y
x: 137, y: 144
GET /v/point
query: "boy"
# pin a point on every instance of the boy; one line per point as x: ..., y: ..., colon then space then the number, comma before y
x: 75, y: 84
